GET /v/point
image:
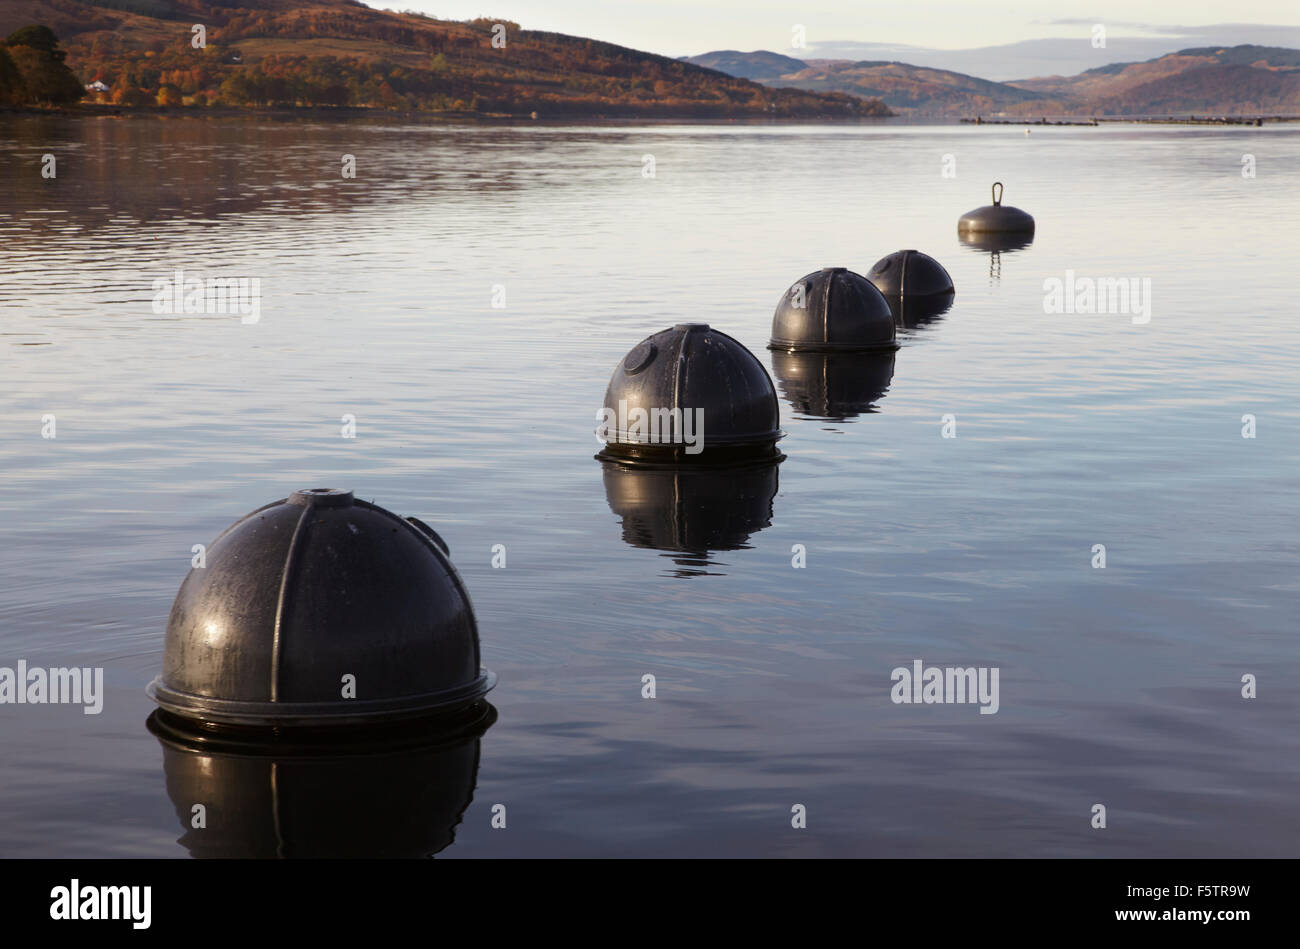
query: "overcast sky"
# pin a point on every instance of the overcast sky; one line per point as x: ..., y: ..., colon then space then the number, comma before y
x: 688, y: 27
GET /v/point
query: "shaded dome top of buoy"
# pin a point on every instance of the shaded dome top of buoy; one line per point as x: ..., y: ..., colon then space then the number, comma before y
x: 910, y: 273
x: 996, y: 217
x: 832, y: 310
x: 689, y: 394
x: 321, y: 609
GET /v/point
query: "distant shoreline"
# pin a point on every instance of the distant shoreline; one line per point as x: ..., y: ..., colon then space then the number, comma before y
x: 354, y: 112
x: 1157, y: 119
x: 97, y: 110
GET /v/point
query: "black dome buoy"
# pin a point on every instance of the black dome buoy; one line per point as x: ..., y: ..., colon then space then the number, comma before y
x: 690, y: 512
x: 690, y: 395
x: 910, y: 274
x: 324, y: 796
x: 321, y: 609
x: 833, y: 386
x: 996, y: 217
x: 832, y: 310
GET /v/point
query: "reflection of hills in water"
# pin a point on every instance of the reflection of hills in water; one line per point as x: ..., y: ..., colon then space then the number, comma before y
x: 691, y: 512
x: 137, y: 198
x: 116, y: 173
x: 368, y: 797
x: 833, y: 386
x: 995, y: 245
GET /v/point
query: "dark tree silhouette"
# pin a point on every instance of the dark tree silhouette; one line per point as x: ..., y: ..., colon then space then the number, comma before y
x: 45, y: 79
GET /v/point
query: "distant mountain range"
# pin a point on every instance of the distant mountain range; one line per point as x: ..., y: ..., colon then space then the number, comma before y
x: 759, y: 64
x: 1065, y: 55
x: 332, y: 54
x: 1238, y: 80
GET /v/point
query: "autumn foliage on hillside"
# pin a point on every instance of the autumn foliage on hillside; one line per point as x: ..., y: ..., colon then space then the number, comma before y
x: 336, y: 55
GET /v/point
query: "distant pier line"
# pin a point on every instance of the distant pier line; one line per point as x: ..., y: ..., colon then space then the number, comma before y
x: 1164, y: 119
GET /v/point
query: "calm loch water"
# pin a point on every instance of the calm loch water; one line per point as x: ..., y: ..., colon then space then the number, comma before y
x: 1119, y: 686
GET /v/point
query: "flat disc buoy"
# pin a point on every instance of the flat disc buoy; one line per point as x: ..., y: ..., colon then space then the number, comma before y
x: 996, y: 217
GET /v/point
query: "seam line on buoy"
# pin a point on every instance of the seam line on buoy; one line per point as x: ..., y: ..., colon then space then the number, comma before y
x: 677, y: 370
x: 299, y: 532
